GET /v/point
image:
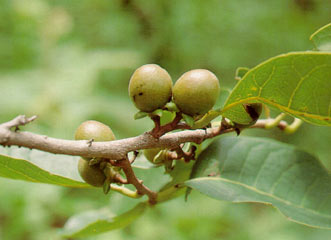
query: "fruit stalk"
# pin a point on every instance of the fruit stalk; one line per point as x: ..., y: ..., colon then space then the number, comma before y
x: 131, y: 178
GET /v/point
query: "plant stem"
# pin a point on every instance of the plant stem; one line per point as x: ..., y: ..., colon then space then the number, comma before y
x: 131, y: 177
x: 294, y: 126
x: 125, y: 191
x: 274, y: 122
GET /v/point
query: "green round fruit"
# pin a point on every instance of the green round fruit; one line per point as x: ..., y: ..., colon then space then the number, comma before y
x: 151, y: 153
x: 92, y: 175
x: 196, y: 92
x: 150, y: 87
x: 95, y: 130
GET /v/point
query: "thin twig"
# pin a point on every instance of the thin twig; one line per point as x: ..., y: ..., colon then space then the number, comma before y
x: 131, y: 178
x: 159, y: 131
x: 179, y: 153
x: 20, y: 120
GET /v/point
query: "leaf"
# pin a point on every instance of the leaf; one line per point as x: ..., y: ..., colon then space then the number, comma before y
x: 188, y: 119
x: 142, y: 163
x: 247, y: 169
x: 297, y: 83
x: 20, y: 169
x: 95, y: 222
x: 322, y: 38
x: 240, y: 72
x: 214, y: 113
x: 62, y: 165
x: 224, y: 94
x: 158, y: 112
x: 171, y: 106
x: 167, y: 117
x: 179, y: 175
x: 140, y: 115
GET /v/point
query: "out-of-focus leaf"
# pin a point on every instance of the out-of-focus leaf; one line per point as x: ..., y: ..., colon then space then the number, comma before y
x: 167, y: 117
x: 95, y: 222
x: 224, y: 94
x: 171, y: 106
x: 140, y: 115
x: 322, y: 38
x: 20, y: 169
x: 142, y: 163
x: 250, y: 169
x: 297, y: 83
x: 179, y: 175
x: 188, y: 119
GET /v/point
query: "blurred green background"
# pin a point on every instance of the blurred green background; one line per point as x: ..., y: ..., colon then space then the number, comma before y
x: 69, y: 61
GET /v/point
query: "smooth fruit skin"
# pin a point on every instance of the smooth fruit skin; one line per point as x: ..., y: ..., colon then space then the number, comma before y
x: 92, y: 175
x: 196, y: 92
x: 151, y: 153
x: 95, y: 130
x: 150, y: 87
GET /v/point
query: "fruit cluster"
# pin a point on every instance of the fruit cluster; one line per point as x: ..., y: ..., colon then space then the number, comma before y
x: 151, y: 89
x: 194, y: 93
x: 96, y: 171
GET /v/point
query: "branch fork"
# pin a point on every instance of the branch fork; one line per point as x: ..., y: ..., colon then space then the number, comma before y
x: 159, y: 137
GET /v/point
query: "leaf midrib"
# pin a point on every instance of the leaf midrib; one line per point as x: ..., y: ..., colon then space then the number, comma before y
x: 32, y: 179
x: 260, y: 192
x: 295, y: 112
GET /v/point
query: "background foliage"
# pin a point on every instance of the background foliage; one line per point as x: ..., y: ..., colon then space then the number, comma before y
x: 68, y: 61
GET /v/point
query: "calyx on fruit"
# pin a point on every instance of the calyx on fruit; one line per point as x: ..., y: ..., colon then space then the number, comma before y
x: 196, y: 92
x: 92, y: 170
x: 150, y: 87
x: 155, y: 155
x: 91, y: 174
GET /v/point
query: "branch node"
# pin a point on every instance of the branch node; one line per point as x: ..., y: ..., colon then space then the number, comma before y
x: 89, y: 142
x: 159, y: 130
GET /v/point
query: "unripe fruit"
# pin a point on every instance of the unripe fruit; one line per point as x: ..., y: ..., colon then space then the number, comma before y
x: 196, y: 92
x: 150, y: 87
x: 92, y: 175
x: 99, y: 132
x: 95, y: 130
x: 151, y: 153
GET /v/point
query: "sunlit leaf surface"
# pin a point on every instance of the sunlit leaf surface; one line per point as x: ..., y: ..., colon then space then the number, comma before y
x: 296, y: 83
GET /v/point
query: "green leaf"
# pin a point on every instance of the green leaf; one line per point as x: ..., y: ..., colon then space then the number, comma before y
x: 322, y: 38
x: 19, y: 169
x: 62, y: 165
x: 224, y: 94
x: 140, y: 115
x: 95, y: 222
x: 297, y: 83
x: 171, y: 106
x: 167, y: 117
x: 179, y: 175
x: 158, y: 112
x: 142, y: 163
x: 188, y: 119
x: 214, y: 113
x: 246, y: 169
x: 240, y: 72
